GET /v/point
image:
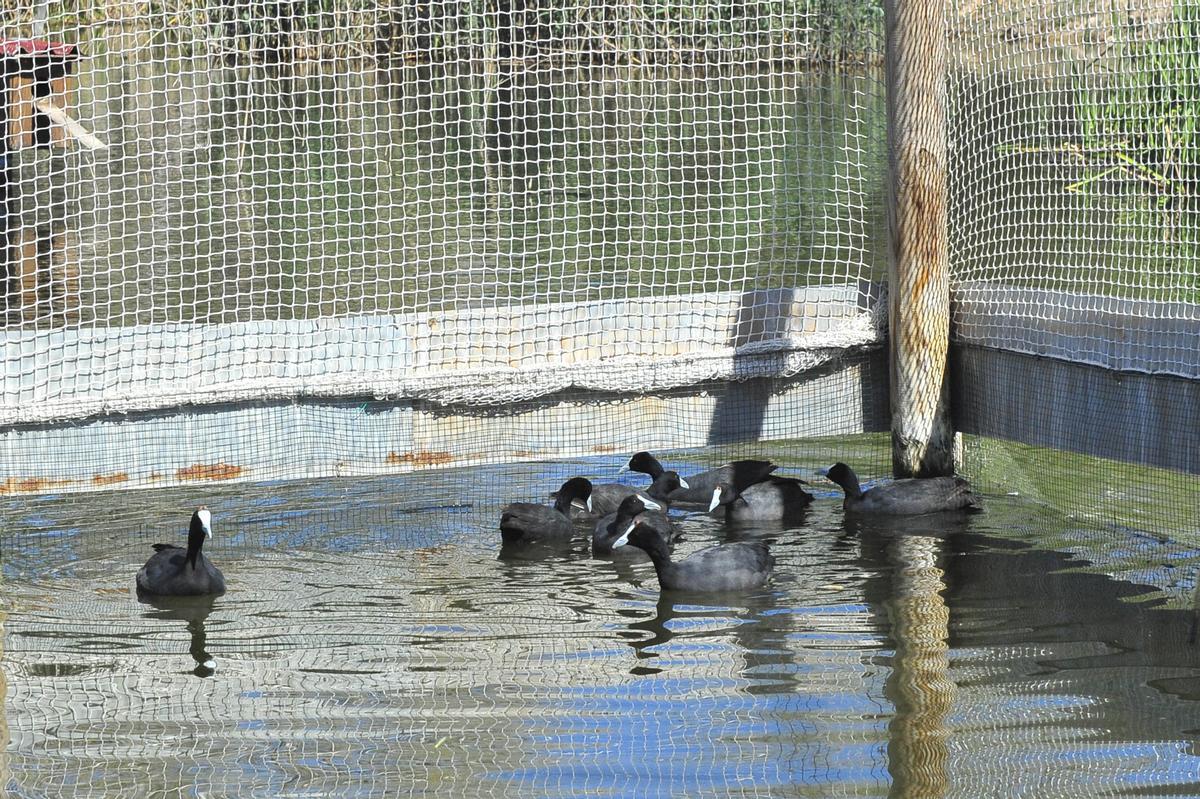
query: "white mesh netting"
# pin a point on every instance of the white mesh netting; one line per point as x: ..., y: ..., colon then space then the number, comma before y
x: 1074, y: 221
x: 460, y: 201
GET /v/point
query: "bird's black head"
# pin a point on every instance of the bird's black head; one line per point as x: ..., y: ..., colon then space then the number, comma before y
x: 665, y: 483
x: 723, y: 494
x: 630, y: 507
x: 841, y: 474
x: 577, y: 488
x: 645, y: 463
x: 644, y: 537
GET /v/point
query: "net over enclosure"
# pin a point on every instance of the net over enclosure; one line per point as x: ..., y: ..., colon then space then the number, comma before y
x: 1075, y: 236
x: 258, y: 240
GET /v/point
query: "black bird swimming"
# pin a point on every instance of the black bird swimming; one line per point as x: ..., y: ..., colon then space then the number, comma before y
x: 607, y: 497
x: 726, y: 567
x: 173, y: 571
x: 906, y: 497
x: 613, y: 526
x: 527, y: 521
x: 773, y: 499
x: 700, y: 486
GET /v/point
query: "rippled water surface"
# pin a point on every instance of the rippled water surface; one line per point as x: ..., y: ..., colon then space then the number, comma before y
x: 375, y: 643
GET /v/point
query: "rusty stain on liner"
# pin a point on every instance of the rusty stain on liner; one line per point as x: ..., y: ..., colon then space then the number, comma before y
x: 31, y: 485
x: 110, y: 479
x: 422, y: 458
x: 209, y: 471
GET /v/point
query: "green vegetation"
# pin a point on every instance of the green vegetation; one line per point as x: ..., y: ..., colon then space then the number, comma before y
x: 1158, y: 502
x: 429, y: 31
x: 1140, y: 142
x: 1143, y: 125
x: 1085, y: 182
x: 327, y: 196
x: 314, y: 157
x: 1134, y: 163
x: 1130, y: 520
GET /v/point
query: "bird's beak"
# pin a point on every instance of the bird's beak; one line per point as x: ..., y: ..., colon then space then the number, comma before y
x: 650, y: 504
x: 588, y: 504
x: 623, y: 469
x: 683, y: 483
x: 823, y: 472
x: 205, y: 517
x: 716, y: 499
x: 624, y: 539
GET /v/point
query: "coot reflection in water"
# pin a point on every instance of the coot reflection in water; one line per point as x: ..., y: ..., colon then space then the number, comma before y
x: 193, y: 610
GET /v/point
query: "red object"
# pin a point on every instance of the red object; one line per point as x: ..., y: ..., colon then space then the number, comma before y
x: 34, y: 47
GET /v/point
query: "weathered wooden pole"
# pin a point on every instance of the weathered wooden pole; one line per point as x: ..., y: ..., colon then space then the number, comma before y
x: 919, y: 299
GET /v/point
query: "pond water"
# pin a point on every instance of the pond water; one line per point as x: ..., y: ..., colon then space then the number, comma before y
x: 374, y: 643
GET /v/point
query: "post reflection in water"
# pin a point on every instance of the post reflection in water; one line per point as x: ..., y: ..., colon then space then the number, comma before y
x: 919, y: 685
x: 194, y: 611
x: 5, y: 738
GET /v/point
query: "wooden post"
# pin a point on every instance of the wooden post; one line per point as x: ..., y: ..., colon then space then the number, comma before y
x: 28, y: 275
x: 919, y: 303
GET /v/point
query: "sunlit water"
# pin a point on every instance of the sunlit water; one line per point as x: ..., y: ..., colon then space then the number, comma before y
x: 374, y: 643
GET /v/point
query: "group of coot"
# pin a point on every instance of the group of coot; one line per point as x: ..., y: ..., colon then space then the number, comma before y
x: 740, y: 491
x: 624, y: 516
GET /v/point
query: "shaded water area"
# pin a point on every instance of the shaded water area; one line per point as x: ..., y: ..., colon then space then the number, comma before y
x: 375, y: 643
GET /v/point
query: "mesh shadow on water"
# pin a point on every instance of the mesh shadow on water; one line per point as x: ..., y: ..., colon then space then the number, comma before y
x: 373, y: 643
